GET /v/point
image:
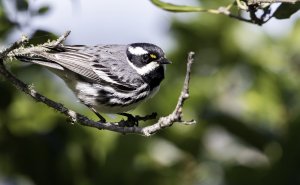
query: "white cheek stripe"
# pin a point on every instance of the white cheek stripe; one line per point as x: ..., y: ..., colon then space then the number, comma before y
x: 145, y: 69
x: 137, y: 50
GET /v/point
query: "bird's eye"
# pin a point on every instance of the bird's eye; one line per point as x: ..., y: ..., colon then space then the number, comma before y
x: 146, y: 57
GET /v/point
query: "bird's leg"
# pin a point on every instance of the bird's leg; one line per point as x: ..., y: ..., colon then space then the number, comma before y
x: 134, y: 120
x: 102, y: 119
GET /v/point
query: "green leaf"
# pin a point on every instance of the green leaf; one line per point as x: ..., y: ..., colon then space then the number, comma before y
x: 22, y: 5
x: 43, y: 10
x: 41, y: 36
x: 6, y: 24
x: 179, y: 8
x: 286, y: 10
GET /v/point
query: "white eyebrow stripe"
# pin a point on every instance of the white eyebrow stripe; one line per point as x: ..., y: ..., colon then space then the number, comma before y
x: 137, y: 50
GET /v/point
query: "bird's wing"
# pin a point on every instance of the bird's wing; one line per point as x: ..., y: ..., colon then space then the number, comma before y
x: 74, y: 59
x: 63, y: 57
x: 103, y: 64
x: 100, y: 63
x: 76, y: 62
x: 115, y: 73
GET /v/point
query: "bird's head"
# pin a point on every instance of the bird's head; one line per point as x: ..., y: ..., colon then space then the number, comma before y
x: 145, y: 57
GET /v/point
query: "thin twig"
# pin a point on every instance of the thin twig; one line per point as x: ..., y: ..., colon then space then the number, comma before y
x: 245, y: 5
x: 62, y: 38
x: 181, y: 8
x: 14, y: 46
x: 175, y: 116
x: 271, y: 1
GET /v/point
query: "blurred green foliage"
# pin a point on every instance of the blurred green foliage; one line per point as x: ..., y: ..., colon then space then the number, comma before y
x: 251, y: 11
x: 244, y: 95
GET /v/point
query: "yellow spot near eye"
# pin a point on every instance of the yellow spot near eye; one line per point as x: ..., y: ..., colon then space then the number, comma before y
x: 153, y: 56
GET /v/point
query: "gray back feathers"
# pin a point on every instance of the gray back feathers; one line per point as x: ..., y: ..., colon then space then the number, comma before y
x: 100, y: 63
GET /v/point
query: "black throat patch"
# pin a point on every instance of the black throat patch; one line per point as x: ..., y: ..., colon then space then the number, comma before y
x: 155, y: 77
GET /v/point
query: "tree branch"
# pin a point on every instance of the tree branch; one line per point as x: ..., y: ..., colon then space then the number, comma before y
x: 250, y: 6
x: 4, y: 53
x: 61, y: 39
x: 182, y: 8
x: 175, y: 116
x: 251, y: 2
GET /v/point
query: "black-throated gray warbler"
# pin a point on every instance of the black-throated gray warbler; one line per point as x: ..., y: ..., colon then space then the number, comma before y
x: 106, y: 78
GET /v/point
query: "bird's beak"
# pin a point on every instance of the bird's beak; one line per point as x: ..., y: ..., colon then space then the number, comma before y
x: 164, y: 61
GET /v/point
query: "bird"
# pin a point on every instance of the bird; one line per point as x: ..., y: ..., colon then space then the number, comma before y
x: 107, y: 78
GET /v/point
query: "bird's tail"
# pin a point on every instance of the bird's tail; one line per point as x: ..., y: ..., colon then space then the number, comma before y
x: 37, y: 55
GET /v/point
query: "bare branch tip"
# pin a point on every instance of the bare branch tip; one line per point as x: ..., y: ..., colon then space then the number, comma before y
x: 191, y: 55
x: 24, y: 38
x: 67, y: 32
x: 191, y: 122
x: 62, y: 38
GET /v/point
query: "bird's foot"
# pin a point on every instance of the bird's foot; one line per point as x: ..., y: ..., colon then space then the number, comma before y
x: 134, y: 120
x: 130, y: 122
